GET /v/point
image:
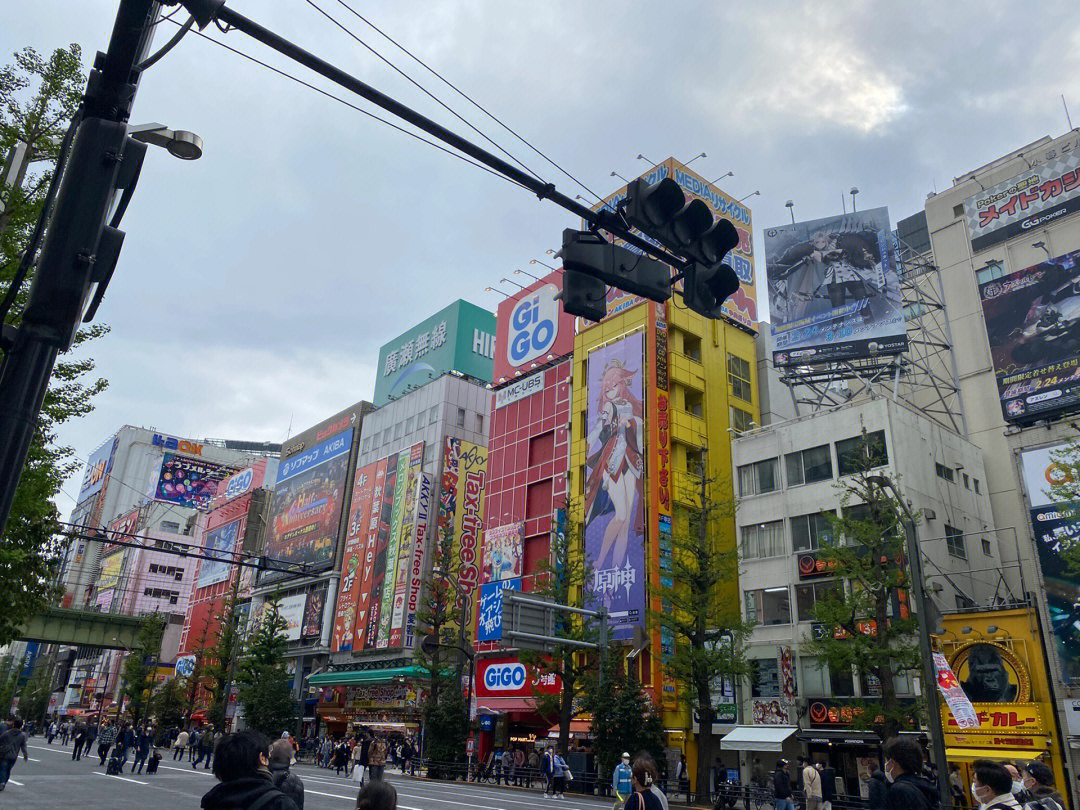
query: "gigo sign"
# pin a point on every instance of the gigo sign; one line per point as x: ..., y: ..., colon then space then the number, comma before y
x: 239, y: 483
x: 504, y: 677
x: 534, y: 326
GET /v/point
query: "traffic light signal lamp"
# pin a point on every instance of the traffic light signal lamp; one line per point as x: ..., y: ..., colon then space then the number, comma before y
x: 592, y: 263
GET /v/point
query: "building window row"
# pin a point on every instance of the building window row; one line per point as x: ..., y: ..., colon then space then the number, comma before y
x: 815, y: 679
x: 813, y: 464
x: 739, y: 378
x: 162, y: 593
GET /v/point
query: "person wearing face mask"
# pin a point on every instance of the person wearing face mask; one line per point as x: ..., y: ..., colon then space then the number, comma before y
x: 1038, y: 779
x: 991, y: 786
x: 621, y: 779
x: 908, y: 790
x: 1021, y: 793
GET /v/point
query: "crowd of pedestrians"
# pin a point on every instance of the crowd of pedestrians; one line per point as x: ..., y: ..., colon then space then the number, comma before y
x: 365, y: 755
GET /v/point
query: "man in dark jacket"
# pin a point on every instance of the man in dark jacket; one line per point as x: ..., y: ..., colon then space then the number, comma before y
x: 12, y: 743
x: 782, y: 786
x: 281, y: 752
x: 908, y: 790
x: 242, y: 764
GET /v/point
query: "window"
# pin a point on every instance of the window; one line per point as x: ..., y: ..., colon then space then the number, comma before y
x: 693, y: 460
x: 861, y: 453
x: 958, y: 211
x: 541, y: 448
x: 693, y: 401
x: 813, y: 677
x: 768, y: 606
x: 975, y: 481
x: 397, y: 430
x: 811, y: 532
x: 479, y: 423
x: 809, y: 594
x: 808, y: 466
x: 759, y: 477
x: 366, y: 445
x: 954, y: 542
x: 738, y: 374
x: 986, y: 547
x: 761, y: 540
x: 967, y: 481
x: 764, y: 677
x: 170, y: 526
x: 841, y: 682
x: 945, y: 472
x: 692, y: 347
x: 741, y: 420
x: 461, y: 417
x: 409, y: 425
x: 433, y: 416
x: 429, y: 453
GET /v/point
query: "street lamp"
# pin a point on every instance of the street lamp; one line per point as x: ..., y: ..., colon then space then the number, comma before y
x: 642, y: 157
x: 929, y: 673
x: 751, y: 194
x: 520, y: 272
x: 721, y: 177
x: 695, y: 157
x: 854, y: 191
x: 509, y: 281
x: 178, y: 142
x: 616, y: 174
x: 790, y: 206
x: 545, y: 264
x: 503, y: 293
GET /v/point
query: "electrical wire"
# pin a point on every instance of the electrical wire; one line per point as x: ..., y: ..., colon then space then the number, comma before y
x: 359, y: 109
x: 423, y: 89
x: 465, y: 96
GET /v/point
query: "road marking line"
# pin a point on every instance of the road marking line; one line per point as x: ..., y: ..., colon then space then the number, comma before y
x: 54, y: 750
x: 124, y: 778
x: 185, y: 770
x: 20, y: 784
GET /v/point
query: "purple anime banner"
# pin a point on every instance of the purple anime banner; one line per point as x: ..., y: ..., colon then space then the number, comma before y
x: 614, y: 486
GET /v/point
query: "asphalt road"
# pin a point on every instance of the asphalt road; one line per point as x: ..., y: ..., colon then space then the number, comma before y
x: 52, y: 780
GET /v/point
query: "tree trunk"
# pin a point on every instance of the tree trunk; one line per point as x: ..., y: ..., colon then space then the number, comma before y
x: 885, y: 673
x: 566, y: 707
x: 704, y: 744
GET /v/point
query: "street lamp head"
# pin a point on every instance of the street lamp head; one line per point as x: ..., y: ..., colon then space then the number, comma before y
x: 185, y: 145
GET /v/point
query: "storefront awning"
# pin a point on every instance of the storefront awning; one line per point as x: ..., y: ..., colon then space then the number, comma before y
x: 362, y: 676
x: 577, y: 728
x: 756, y: 738
x: 995, y: 753
x: 834, y: 737
x: 500, y: 705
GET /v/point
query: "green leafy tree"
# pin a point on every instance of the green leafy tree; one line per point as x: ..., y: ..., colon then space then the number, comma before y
x: 217, y: 665
x: 564, y: 579
x: 38, y: 97
x: 194, y: 682
x: 700, y: 609
x: 34, y: 697
x: 624, y: 716
x: 9, y: 682
x: 169, y: 704
x: 265, y: 685
x: 868, y: 629
x: 139, y: 666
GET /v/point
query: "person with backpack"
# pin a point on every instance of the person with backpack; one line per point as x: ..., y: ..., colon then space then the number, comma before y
x: 281, y: 755
x: 12, y: 741
x: 811, y: 780
x: 193, y: 743
x: 908, y: 789
x: 242, y: 766
x: 206, y: 748
x: 1038, y: 780
x: 377, y: 758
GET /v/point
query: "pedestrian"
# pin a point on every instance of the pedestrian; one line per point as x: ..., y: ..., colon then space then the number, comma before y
x: 105, y: 741
x: 642, y: 797
x: 1038, y: 781
x: 193, y: 743
x: 125, y: 740
x: 828, y: 785
x: 621, y: 778
x: 647, y: 761
x: 281, y: 757
x: 377, y: 795
x: 408, y: 752
x: 155, y: 760
x: 547, y: 768
x: 757, y: 773
x: 558, y: 775
x: 878, y: 787
x: 956, y: 786
x: 991, y: 786
x: 534, y: 767
x: 50, y: 735
x: 357, y: 773
x: 908, y: 789
x: 811, y: 780
x: 242, y: 764
x: 206, y: 748
x: 682, y: 775
x: 179, y: 744
x: 508, y: 766
x: 365, y: 750
x: 377, y: 758
x: 78, y: 736
x: 341, y: 757
x: 519, y: 767
x: 142, y: 749
x: 782, y: 786
x: 12, y: 741
x: 65, y: 732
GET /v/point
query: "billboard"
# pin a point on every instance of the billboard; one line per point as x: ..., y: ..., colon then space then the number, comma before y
x: 98, y: 467
x: 740, y: 308
x: 834, y: 289
x: 1033, y: 325
x: 460, y: 337
x: 461, y: 510
x: 505, y: 677
x: 291, y: 609
x: 411, y: 564
x: 306, y: 511
x: 396, y: 582
x: 489, y: 617
x: 531, y: 329
x: 614, y: 490
x: 187, y: 481
x: 378, y: 541
x: 352, y: 570
x: 106, y: 598
x: 313, y: 610
x: 1056, y: 526
x: 220, y: 545
x: 121, y: 529
x: 1032, y: 199
x: 504, y: 552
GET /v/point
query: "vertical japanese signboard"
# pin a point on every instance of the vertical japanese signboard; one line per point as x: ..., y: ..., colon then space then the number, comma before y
x: 461, y: 509
x: 406, y: 547
x: 352, y: 568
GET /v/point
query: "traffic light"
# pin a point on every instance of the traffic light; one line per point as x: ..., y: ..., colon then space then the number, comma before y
x: 80, y: 248
x: 660, y: 211
x: 583, y: 295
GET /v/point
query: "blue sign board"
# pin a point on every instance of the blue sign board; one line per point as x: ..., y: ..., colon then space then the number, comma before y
x: 489, y: 623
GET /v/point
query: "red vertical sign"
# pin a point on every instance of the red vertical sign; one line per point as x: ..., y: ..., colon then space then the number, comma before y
x: 345, y: 621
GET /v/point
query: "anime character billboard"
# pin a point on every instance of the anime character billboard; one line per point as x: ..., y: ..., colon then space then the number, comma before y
x: 614, y: 490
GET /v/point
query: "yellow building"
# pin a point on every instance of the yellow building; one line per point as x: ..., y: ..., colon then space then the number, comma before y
x: 653, y: 386
x: 998, y: 658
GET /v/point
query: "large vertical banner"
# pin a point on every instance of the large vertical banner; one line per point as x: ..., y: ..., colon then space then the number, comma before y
x: 614, y: 489
x: 352, y: 570
x: 393, y: 546
x: 382, y: 537
x: 219, y: 547
x: 370, y: 534
x: 306, y: 512
x: 1033, y: 325
x: 461, y: 509
x: 406, y: 546
x: 419, y: 556
x: 1056, y: 527
x: 834, y: 289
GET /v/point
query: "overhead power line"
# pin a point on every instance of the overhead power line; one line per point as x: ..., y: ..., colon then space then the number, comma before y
x: 465, y: 96
x: 349, y: 104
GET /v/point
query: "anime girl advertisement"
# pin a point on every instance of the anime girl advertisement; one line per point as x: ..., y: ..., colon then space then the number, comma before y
x: 614, y: 489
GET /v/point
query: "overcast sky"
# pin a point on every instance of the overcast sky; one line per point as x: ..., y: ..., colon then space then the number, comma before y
x: 257, y: 283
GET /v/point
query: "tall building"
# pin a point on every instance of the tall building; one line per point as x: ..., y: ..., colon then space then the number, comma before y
x: 1007, y: 240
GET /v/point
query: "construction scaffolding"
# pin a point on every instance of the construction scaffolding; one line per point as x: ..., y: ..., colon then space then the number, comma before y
x: 924, y: 376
